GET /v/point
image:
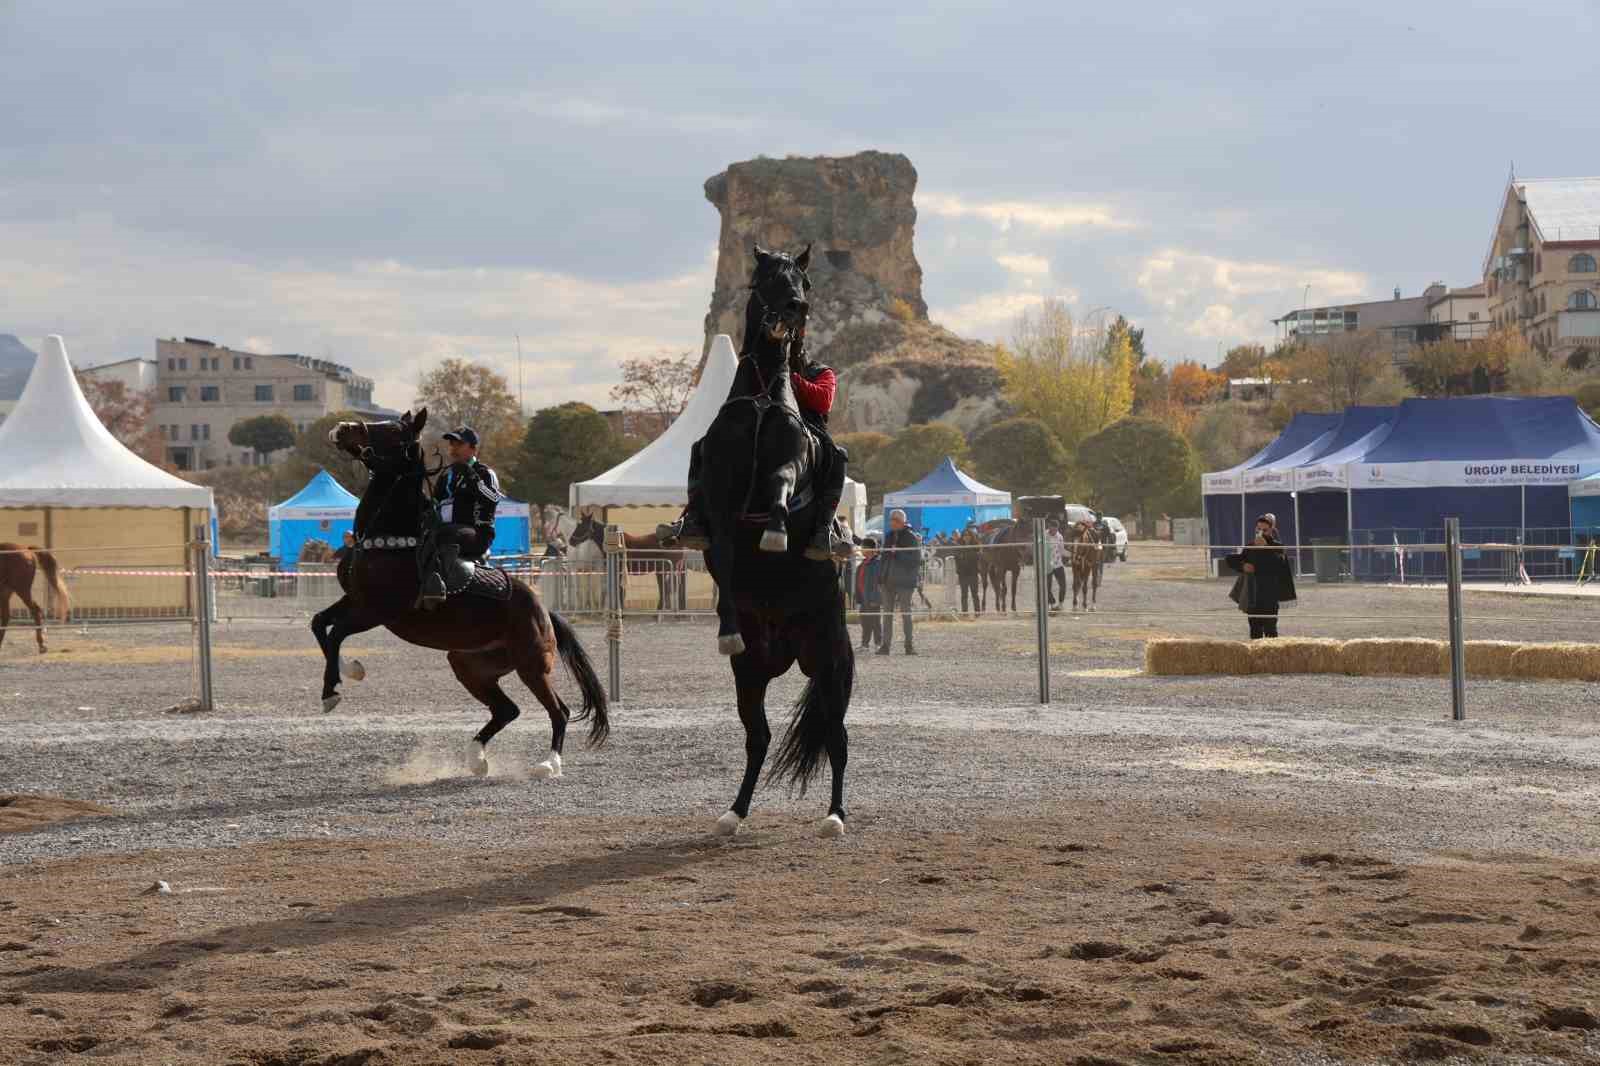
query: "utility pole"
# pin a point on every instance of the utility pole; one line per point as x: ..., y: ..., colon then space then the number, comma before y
x: 522, y: 407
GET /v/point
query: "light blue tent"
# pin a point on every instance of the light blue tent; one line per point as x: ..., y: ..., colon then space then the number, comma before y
x: 513, y: 528
x: 946, y: 500
x: 322, y: 510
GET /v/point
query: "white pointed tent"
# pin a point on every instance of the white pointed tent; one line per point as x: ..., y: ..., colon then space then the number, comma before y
x: 68, y: 485
x: 656, y: 477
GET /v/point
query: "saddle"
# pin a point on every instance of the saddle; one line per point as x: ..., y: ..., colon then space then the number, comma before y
x: 471, y: 579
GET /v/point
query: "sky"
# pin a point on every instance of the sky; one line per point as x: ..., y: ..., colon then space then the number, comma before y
x: 387, y: 185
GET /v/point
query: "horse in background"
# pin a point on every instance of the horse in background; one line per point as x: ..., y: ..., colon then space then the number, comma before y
x: 1004, y: 555
x: 1086, y: 557
x: 642, y: 554
x: 17, y: 568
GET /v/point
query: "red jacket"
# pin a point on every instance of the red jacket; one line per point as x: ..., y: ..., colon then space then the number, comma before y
x: 816, y: 394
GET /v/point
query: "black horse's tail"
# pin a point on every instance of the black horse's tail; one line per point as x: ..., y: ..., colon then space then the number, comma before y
x: 594, y: 694
x: 821, y: 707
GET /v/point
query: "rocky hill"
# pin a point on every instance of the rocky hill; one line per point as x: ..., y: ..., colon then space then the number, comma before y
x: 868, y: 317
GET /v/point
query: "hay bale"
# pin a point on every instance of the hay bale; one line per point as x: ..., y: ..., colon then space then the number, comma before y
x: 1557, y: 662
x: 1296, y: 655
x: 1376, y: 657
x: 1177, y: 656
x: 1489, y: 658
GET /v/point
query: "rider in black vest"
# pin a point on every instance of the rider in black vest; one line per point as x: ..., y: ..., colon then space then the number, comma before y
x: 466, y: 495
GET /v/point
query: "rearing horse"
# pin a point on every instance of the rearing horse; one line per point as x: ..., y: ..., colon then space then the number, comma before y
x: 775, y: 606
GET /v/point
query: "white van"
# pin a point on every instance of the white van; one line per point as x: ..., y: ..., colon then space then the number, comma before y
x: 1118, y: 548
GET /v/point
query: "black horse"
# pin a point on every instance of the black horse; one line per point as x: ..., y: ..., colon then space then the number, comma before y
x: 775, y: 606
x: 1004, y: 555
x: 487, y: 637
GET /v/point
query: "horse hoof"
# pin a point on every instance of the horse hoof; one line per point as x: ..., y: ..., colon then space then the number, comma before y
x: 832, y: 826
x: 774, y: 541
x: 728, y: 824
x: 352, y: 669
x: 330, y: 702
x: 548, y: 769
x: 733, y: 645
x: 477, y: 759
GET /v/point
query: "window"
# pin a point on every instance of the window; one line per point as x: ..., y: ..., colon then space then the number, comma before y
x: 175, y: 393
x: 1537, y: 266
x: 1472, y: 316
x: 302, y: 394
x: 194, y: 432
x: 210, y: 393
x: 172, y: 364
x: 183, y: 364
x: 249, y: 364
x: 205, y: 431
x: 263, y: 394
x: 1581, y: 264
x: 1582, y: 300
x: 236, y: 362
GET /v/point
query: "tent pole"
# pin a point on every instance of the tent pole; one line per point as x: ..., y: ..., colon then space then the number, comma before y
x: 1299, y: 563
x: 1350, y: 524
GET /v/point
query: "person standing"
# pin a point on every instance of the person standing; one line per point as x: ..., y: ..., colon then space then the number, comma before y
x: 869, y: 594
x: 1265, y: 581
x: 1058, y: 564
x: 901, y: 576
x: 967, y: 564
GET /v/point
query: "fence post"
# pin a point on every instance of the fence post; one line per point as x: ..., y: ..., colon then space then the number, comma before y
x: 202, y: 603
x: 1041, y: 603
x: 1458, y: 651
x: 616, y: 591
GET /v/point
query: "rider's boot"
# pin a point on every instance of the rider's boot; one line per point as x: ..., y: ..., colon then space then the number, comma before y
x: 826, y: 542
x: 433, y: 586
x: 689, y: 531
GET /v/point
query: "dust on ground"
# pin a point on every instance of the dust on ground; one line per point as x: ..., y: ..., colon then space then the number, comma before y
x: 20, y: 813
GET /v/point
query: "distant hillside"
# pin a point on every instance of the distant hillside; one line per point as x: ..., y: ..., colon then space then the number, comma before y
x: 16, y: 362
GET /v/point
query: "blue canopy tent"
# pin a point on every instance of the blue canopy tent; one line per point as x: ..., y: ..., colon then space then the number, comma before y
x: 946, y: 500
x: 1502, y: 464
x: 513, y: 528
x: 1583, y: 502
x: 1227, y: 497
x: 1322, y: 478
x: 322, y: 510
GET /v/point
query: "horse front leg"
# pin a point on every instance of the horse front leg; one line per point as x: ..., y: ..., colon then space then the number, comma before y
x: 780, y: 489
x: 331, y: 627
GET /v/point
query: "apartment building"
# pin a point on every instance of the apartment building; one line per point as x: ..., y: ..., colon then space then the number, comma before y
x: 136, y: 375
x: 203, y: 388
x: 1540, y: 274
x: 1402, y: 322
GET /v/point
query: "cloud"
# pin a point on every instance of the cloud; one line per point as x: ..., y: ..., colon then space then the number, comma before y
x: 1215, y: 298
x: 992, y: 315
x: 1036, y: 215
x: 1025, y: 264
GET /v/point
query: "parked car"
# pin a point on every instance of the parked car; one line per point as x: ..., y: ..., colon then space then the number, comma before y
x: 1118, y: 549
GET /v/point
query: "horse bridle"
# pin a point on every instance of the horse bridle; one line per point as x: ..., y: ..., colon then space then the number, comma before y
x: 409, y: 461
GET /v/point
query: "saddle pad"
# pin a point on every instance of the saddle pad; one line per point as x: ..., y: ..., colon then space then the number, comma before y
x: 490, y: 583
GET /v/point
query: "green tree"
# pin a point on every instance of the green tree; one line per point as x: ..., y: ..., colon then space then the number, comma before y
x: 1123, y: 329
x: 563, y: 444
x: 914, y: 452
x: 1345, y: 369
x: 1588, y: 396
x: 1245, y: 361
x: 462, y: 393
x: 263, y: 434
x: 1135, y: 464
x: 1022, y: 456
x: 1228, y: 433
x: 862, y: 447
x: 1064, y: 377
x: 313, y: 451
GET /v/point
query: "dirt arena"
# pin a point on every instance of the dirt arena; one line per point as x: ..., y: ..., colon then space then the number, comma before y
x: 1293, y: 870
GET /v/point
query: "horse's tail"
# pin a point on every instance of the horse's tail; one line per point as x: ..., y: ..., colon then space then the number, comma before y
x: 52, y: 574
x: 594, y: 694
x: 821, y: 708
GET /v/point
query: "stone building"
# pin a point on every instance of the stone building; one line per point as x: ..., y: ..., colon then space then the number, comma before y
x: 203, y: 388
x: 1402, y: 322
x: 1540, y: 275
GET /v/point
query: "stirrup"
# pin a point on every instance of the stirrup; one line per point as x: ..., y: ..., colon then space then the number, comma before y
x: 680, y: 534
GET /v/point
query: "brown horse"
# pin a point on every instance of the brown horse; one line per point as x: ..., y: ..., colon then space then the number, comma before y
x: 1004, y: 555
x: 644, y: 555
x: 17, y: 567
x: 487, y: 636
x: 1084, y: 553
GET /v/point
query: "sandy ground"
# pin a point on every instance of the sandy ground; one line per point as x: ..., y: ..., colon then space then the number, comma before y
x: 1191, y: 870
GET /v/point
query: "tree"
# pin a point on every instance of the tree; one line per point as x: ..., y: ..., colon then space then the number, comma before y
x: 313, y: 451
x: 1342, y: 370
x: 1588, y: 396
x: 1024, y: 457
x: 1245, y: 361
x: 658, y: 387
x: 1226, y: 434
x: 1452, y: 367
x: 1064, y: 377
x: 914, y: 452
x: 1151, y: 382
x: 1193, y: 385
x: 862, y: 447
x: 263, y: 434
x: 1123, y: 329
x: 127, y: 415
x: 460, y: 393
x: 1134, y: 465
x: 563, y: 444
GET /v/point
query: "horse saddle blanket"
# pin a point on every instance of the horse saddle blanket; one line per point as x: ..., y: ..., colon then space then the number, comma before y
x: 485, y: 582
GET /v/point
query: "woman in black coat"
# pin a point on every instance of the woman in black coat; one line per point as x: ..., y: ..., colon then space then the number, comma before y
x: 1265, y: 580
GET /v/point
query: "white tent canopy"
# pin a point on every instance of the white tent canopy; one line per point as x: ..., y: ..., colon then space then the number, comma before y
x: 659, y: 474
x: 58, y: 454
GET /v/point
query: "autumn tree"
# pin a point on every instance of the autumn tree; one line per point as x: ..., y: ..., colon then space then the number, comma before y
x: 1151, y: 381
x: 462, y: 393
x: 912, y: 454
x: 126, y: 413
x: 1122, y: 329
x: 263, y: 434
x: 1340, y: 371
x: 1064, y: 377
x: 1226, y: 434
x: 1022, y: 456
x: 1134, y: 465
x: 862, y: 447
x: 563, y: 444
x: 1245, y: 361
x: 313, y: 451
x: 1191, y: 384
x: 657, y: 387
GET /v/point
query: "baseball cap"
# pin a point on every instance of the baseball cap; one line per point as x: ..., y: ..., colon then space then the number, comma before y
x: 1269, y: 518
x: 465, y: 434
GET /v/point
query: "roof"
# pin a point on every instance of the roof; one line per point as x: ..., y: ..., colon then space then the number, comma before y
x: 946, y: 486
x: 1303, y: 429
x: 1360, y: 430
x: 1563, y: 209
x: 58, y: 454
x: 321, y: 493
x: 1465, y: 293
x: 1482, y: 441
x: 658, y: 475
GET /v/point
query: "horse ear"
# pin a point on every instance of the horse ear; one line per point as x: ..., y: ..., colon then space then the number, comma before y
x: 804, y: 261
x: 405, y: 419
x: 762, y: 255
x: 420, y: 421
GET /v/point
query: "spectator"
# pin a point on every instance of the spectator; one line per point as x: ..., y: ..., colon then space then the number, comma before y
x: 1058, y: 563
x: 901, y: 577
x: 1264, y: 581
x: 869, y: 594
x: 967, y: 563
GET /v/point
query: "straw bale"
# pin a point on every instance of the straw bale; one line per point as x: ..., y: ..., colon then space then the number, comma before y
x: 1557, y: 662
x: 1296, y: 655
x: 1171, y: 656
x: 1489, y: 658
x: 1407, y: 657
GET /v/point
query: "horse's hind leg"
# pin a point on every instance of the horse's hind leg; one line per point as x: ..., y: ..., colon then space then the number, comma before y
x: 38, y: 622
x: 479, y: 673
x: 534, y: 676
x: 5, y: 613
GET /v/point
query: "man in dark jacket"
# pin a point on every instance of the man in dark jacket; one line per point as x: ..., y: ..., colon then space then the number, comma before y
x: 869, y: 594
x: 902, y: 572
x: 967, y: 558
x: 466, y: 494
x: 1265, y: 580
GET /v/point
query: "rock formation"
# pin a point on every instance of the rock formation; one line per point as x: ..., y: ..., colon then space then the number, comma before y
x: 868, y: 317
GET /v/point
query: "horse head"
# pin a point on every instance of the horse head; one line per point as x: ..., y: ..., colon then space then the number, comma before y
x: 778, y: 305
x: 382, y: 447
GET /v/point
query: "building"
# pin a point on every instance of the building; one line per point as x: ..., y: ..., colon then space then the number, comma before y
x: 136, y: 375
x: 1540, y: 274
x: 203, y: 388
x: 1402, y: 322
